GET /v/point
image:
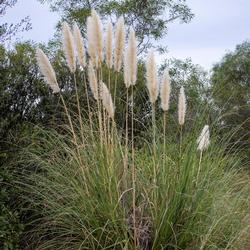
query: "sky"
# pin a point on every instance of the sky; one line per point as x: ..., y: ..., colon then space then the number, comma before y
x: 218, y: 26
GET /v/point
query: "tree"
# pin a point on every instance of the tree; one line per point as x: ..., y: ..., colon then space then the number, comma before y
x: 149, y: 18
x: 231, y: 91
x: 9, y: 30
x: 24, y: 98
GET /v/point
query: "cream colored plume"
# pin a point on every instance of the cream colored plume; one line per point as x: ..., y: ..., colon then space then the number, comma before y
x: 47, y: 70
x: 93, y: 80
x: 107, y: 100
x: 91, y: 41
x: 68, y: 47
x: 97, y: 32
x: 182, y: 107
x: 165, y: 90
x: 130, y: 60
x: 119, y: 44
x: 152, y: 84
x: 203, y: 139
x: 79, y: 46
x: 109, y: 45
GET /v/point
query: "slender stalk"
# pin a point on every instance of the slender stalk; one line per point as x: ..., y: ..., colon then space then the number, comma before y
x: 180, y: 141
x: 109, y: 75
x: 69, y: 120
x: 199, y: 168
x: 105, y: 119
x: 99, y: 110
x: 133, y: 170
x: 115, y: 89
x: 154, y: 141
x: 108, y: 127
x: 88, y: 104
x: 126, y: 142
x: 164, y: 136
x: 79, y: 109
x: 154, y: 154
x: 180, y: 151
x: 102, y: 108
x: 74, y: 139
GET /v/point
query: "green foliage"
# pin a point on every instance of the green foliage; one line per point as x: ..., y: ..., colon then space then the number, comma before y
x: 81, y: 200
x: 231, y: 92
x: 10, y: 225
x: 21, y: 89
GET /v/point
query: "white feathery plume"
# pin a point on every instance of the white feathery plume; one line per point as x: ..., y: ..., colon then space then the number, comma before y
x: 97, y: 31
x: 47, y: 70
x: 109, y: 40
x: 165, y: 90
x: 182, y: 107
x: 107, y: 100
x: 203, y: 139
x: 68, y: 47
x: 93, y: 80
x: 152, y: 84
x: 91, y: 41
x: 130, y: 63
x: 79, y: 46
x: 119, y: 44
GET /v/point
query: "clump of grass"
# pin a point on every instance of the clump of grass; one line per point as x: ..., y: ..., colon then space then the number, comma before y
x: 93, y: 189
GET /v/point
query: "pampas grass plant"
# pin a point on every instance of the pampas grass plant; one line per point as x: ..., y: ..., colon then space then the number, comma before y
x: 80, y: 197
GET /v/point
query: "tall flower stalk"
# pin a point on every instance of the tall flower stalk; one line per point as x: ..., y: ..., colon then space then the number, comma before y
x: 118, y: 51
x: 94, y: 86
x: 70, y: 55
x: 152, y: 86
x: 165, y: 96
x: 130, y: 76
x: 81, y: 57
x: 181, y: 113
x: 50, y: 77
x: 203, y: 143
x: 153, y: 90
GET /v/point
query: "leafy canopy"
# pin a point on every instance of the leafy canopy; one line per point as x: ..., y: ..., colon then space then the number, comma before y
x: 149, y: 18
x: 231, y: 91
